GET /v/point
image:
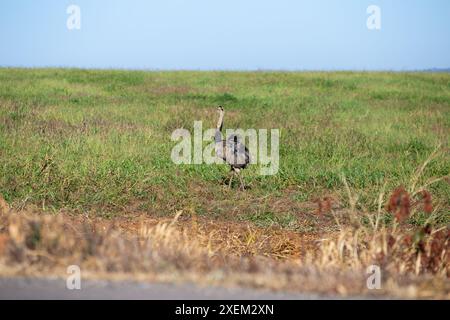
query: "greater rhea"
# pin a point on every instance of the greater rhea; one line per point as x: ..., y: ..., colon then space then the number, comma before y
x: 231, y: 150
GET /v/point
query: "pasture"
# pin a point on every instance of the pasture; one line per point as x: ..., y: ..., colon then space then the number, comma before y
x: 97, y: 143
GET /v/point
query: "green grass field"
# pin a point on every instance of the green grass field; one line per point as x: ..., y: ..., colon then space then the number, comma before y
x: 99, y: 141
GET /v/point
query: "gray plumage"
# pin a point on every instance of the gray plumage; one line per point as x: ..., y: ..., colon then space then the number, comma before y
x: 231, y: 149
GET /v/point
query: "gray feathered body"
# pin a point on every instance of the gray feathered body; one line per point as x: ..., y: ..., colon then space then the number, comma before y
x: 232, y: 151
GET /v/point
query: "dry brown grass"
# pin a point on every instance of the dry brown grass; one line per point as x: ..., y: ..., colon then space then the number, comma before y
x: 188, y: 248
x: 399, y: 248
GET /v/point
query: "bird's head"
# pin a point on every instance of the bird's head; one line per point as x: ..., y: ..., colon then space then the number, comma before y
x: 220, y: 108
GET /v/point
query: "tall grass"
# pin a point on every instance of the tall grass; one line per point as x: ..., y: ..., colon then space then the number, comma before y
x: 182, y: 249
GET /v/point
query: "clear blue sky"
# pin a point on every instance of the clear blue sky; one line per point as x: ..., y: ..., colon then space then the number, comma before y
x: 226, y: 34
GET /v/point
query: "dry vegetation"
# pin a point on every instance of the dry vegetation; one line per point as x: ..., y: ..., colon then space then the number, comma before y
x: 414, y: 262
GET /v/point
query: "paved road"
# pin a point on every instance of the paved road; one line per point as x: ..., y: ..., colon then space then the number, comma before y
x: 33, y: 288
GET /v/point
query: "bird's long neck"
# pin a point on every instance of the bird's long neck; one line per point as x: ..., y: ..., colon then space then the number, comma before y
x: 218, y: 136
x: 220, y: 121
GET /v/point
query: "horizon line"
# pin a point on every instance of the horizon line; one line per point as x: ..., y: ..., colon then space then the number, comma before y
x: 430, y: 70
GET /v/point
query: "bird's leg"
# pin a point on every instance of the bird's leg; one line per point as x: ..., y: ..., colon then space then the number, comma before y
x: 231, y: 179
x: 242, y: 181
